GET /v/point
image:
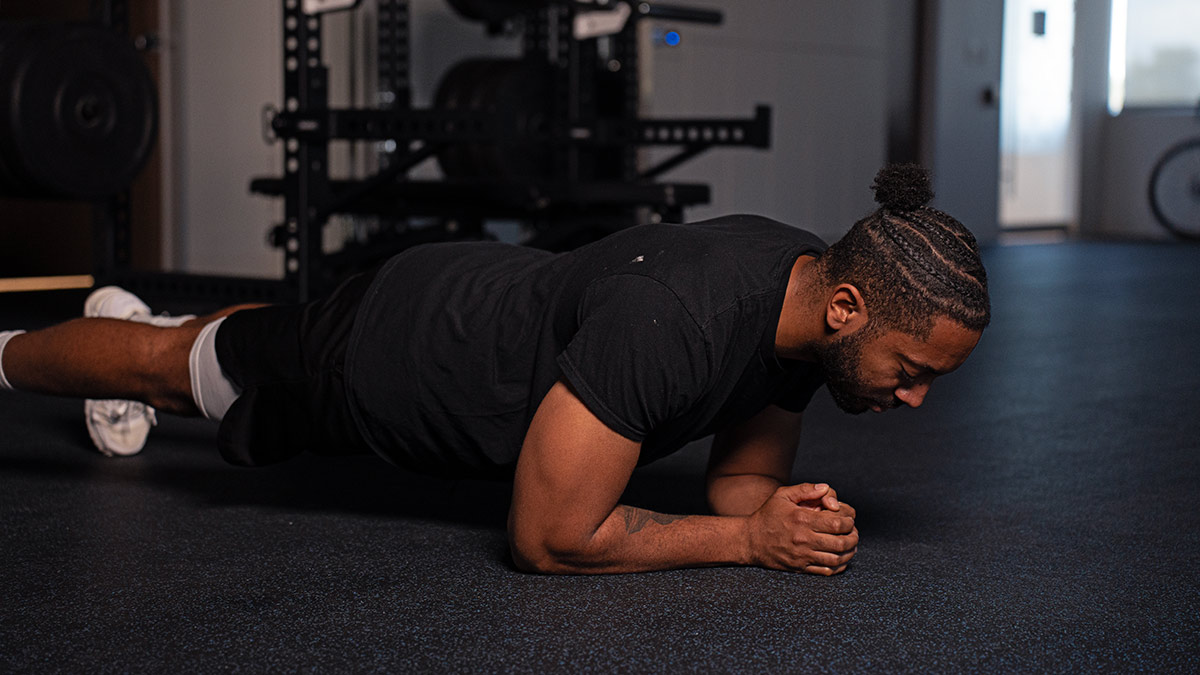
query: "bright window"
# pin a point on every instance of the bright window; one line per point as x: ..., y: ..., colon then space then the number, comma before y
x: 1155, y: 54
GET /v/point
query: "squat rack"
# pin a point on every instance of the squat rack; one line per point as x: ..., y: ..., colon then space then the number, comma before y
x: 593, y: 132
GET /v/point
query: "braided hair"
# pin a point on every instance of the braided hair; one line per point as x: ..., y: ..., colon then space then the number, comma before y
x: 911, y: 262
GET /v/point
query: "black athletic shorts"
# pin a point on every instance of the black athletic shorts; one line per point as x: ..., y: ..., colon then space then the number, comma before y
x: 289, y: 362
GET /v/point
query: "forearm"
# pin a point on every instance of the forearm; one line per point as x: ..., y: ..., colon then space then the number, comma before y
x: 739, y: 495
x: 637, y: 540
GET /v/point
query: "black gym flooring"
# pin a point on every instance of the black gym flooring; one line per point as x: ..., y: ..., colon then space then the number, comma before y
x: 1041, y: 512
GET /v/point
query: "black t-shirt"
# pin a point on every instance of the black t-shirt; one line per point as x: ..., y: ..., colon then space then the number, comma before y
x: 665, y: 332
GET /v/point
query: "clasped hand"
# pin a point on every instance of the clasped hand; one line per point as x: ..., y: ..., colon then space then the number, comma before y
x: 803, y: 528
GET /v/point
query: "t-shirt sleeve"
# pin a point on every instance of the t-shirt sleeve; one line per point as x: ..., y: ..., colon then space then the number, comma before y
x: 638, y: 357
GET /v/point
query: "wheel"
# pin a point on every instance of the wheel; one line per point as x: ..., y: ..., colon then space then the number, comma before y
x: 1175, y: 190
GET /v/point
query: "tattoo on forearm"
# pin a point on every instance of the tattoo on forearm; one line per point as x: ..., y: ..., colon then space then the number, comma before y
x: 636, y: 519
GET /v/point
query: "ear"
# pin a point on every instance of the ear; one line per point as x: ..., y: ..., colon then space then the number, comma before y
x: 845, y: 310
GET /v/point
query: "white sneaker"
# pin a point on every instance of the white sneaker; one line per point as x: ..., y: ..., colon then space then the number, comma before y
x: 120, y: 427
x: 111, y: 302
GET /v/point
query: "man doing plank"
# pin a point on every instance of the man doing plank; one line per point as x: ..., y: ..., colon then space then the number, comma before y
x: 563, y: 372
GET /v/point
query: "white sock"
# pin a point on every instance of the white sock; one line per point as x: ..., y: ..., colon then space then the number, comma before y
x: 5, y: 336
x: 212, y: 391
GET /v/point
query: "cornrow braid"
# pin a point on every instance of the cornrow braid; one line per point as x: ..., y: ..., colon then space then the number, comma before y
x: 911, y: 262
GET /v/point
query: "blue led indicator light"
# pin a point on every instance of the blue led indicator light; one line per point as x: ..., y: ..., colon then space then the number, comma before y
x: 671, y: 38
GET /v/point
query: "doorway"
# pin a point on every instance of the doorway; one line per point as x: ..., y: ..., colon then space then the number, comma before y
x: 1039, y: 135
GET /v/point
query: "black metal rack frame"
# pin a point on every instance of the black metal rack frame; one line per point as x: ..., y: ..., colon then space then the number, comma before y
x: 599, y: 186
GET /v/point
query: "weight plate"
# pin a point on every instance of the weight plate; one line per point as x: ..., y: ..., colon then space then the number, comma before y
x: 454, y: 93
x: 516, y: 95
x: 489, y: 79
x: 80, y: 117
x: 493, y: 11
x: 522, y: 104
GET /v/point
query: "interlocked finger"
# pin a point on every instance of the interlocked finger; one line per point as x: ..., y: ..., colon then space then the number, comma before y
x: 831, y: 560
x: 836, y: 544
x: 825, y: 571
x: 833, y: 523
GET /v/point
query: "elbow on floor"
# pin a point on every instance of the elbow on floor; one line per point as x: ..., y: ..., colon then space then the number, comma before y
x: 536, y: 561
x: 537, y: 556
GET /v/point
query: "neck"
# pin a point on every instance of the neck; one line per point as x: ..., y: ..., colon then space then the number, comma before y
x: 801, y: 326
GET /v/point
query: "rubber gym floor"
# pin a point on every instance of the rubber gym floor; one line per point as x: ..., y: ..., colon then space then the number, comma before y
x: 1041, y: 512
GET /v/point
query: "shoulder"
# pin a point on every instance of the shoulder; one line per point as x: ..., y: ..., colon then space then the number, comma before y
x: 751, y: 226
x: 635, y: 294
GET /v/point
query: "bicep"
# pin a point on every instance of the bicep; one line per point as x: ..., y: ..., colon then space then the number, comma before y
x: 569, y: 477
x: 764, y: 445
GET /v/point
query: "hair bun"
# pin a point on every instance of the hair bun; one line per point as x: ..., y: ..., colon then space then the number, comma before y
x: 902, y: 187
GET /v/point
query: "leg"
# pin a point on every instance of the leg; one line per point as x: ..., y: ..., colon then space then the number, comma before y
x: 109, y: 359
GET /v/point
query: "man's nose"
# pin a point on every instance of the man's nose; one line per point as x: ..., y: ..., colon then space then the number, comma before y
x: 913, y: 396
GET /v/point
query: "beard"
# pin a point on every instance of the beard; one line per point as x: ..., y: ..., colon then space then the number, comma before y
x: 841, y: 364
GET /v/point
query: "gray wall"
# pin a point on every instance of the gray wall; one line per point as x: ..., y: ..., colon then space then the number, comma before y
x: 225, y: 60
x: 1132, y: 142
x: 822, y: 65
